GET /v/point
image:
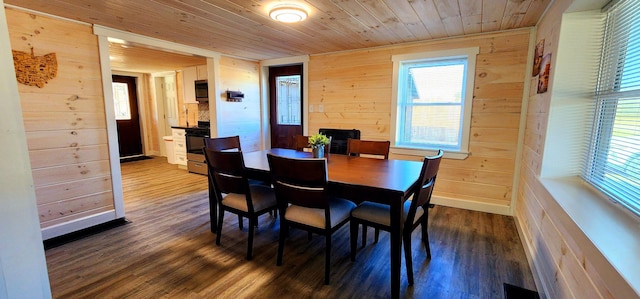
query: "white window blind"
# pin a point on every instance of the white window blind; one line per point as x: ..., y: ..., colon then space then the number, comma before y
x: 613, y: 160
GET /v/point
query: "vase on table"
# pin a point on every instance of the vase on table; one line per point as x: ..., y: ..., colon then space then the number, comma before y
x: 318, y: 151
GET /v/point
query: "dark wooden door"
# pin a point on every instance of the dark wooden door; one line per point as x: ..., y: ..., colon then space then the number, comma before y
x: 127, y: 118
x: 285, y: 102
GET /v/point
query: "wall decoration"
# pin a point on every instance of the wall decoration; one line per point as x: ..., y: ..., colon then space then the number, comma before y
x: 34, y: 70
x: 537, y: 57
x: 545, y: 69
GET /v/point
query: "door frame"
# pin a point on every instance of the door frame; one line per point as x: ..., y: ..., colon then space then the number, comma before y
x: 264, y: 91
x: 104, y: 34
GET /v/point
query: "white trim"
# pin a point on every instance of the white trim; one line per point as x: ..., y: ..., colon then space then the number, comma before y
x: 103, y: 34
x: 164, y: 74
x: 608, y: 227
x: 112, y: 129
x: 468, y: 53
x: 524, y: 108
x: 23, y: 266
x: 264, y: 91
x: 418, y: 152
x: 162, y: 122
x: 443, y: 54
x: 471, y: 205
x: 213, y: 70
x: 78, y: 224
x: 153, y: 42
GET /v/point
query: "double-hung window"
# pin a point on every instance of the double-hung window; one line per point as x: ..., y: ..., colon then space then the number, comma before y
x: 612, y: 164
x: 433, y: 95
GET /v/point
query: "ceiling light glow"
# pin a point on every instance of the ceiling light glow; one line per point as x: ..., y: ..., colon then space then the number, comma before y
x: 288, y: 13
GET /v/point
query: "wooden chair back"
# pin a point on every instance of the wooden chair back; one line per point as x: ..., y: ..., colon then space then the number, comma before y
x: 223, y: 143
x: 226, y: 171
x: 426, y: 182
x: 300, y: 142
x: 299, y: 182
x: 355, y: 147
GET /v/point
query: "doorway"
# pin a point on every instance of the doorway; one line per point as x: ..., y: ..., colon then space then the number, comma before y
x: 125, y: 98
x: 285, y: 104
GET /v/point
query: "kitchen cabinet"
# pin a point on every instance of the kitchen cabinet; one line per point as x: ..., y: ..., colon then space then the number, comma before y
x: 189, y: 76
x: 201, y: 72
x: 179, y: 146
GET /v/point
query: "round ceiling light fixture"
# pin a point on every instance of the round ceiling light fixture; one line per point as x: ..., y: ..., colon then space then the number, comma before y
x: 288, y: 13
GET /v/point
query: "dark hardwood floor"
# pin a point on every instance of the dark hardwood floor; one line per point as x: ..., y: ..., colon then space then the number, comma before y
x: 168, y: 251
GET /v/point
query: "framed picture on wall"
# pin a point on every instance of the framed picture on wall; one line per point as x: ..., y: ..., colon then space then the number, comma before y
x: 545, y: 69
x: 537, y: 57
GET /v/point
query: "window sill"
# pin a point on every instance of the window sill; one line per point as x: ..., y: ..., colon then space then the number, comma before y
x: 614, y: 232
x: 426, y: 152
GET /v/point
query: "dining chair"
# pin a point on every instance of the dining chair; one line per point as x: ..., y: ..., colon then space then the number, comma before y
x: 228, y: 176
x: 379, y: 149
x: 223, y: 143
x: 355, y: 147
x: 301, y: 192
x: 416, y: 213
x: 300, y: 142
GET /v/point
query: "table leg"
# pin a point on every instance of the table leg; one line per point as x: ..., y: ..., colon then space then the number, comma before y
x: 396, y: 245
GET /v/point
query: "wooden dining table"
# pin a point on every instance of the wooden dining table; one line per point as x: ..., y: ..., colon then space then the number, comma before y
x: 357, y: 178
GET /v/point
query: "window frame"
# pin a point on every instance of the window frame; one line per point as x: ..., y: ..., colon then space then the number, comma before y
x: 467, y: 101
x: 599, y: 171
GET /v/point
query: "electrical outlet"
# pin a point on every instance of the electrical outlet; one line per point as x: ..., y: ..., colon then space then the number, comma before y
x: 320, y: 108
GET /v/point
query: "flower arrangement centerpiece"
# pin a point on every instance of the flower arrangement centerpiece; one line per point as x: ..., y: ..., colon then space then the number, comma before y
x: 317, y: 143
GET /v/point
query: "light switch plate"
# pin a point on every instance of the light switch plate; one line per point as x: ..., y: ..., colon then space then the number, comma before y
x: 320, y: 108
x: 311, y: 108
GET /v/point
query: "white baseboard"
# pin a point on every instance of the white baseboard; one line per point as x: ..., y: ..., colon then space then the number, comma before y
x: 77, y: 224
x: 471, y: 205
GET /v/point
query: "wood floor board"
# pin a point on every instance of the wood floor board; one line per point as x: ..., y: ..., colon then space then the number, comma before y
x: 168, y: 251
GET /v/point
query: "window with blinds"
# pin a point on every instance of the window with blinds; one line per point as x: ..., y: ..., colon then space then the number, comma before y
x: 613, y: 161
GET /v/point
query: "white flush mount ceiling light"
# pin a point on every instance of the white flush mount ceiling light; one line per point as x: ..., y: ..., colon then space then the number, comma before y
x: 288, y: 13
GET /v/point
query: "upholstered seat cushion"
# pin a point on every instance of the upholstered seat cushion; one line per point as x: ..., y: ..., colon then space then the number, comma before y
x: 379, y: 213
x: 340, y: 210
x: 261, y: 195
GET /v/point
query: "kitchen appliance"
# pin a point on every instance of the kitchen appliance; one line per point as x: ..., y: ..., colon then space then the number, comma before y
x: 195, y: 137
x: 202, y: 90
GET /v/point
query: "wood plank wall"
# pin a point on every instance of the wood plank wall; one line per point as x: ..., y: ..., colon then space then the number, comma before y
x: 65, y: 120
x: 355, y: 90
x: 240, y: 118
x: 556, y: 246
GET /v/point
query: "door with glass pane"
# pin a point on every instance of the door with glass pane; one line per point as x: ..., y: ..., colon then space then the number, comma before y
x: 125, y: 102
x: 285, y: 98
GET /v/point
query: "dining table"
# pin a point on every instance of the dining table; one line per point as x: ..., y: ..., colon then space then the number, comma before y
x: 358, y: 179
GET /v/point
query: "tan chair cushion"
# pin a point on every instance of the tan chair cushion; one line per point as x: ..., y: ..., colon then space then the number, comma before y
x: 340, y: 210
x: 379, y: 213
x: 262, y: 196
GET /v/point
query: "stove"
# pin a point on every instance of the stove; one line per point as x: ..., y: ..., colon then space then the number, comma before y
x: 195, y: 137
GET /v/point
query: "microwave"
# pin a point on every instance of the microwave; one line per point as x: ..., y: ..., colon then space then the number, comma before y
x: 202, y: 90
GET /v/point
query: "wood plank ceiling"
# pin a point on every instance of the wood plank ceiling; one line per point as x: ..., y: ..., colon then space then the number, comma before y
x: 243, y: 28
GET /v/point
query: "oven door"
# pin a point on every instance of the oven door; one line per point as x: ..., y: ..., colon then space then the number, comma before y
x: 195, y: 156
x: 195, y: 143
